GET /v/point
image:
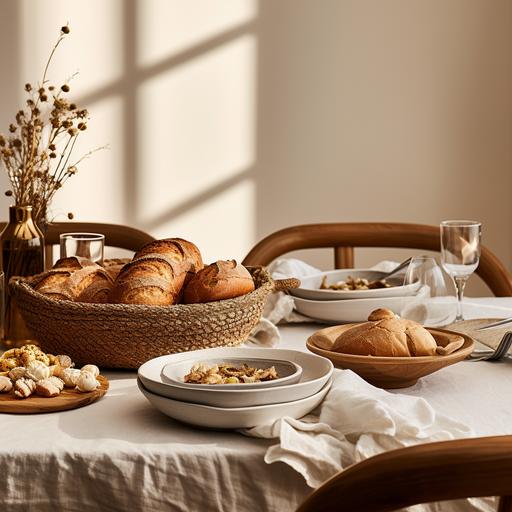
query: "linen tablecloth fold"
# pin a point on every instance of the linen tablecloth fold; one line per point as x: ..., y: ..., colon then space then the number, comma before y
x: 356, y: 421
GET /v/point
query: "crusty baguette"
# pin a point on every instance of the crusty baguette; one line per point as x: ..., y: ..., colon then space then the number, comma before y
x: 153, y: 280
x: 220, y: 280
x: 176, y: 249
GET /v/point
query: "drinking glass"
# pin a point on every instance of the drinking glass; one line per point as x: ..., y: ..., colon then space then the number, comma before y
x: 460, y: 251
x: 85, y: 245
x: 435, y: 302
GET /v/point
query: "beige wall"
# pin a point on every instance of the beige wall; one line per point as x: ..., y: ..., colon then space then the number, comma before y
x: 229, y: 119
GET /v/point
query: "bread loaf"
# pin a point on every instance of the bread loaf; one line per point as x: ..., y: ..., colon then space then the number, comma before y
x: 150, y: 280
x: 220, y: 280
x: 388, y: 336
x: 157, y: 273
x: 75, y: 279
x: 176, y: 250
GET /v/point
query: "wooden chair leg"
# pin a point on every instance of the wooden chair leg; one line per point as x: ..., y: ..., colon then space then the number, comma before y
x: 343, y: 257
x: 505, y: 504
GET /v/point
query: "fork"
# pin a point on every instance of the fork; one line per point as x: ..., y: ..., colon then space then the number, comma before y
x: 501, y: 349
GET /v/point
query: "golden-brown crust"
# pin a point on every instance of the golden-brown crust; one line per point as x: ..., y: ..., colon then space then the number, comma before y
x: 176, y: 249
x: 73, y: 262
x: 218, y: 281
x: 388, y: 337
x: 87, y: 283
x: 152, y: 280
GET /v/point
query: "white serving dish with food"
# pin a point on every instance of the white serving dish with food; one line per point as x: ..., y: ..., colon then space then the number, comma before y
x: 345, y: 311
x: 233, y: 417
x: 352, y: 280
x: 316, y: 371
x: 247, y: 373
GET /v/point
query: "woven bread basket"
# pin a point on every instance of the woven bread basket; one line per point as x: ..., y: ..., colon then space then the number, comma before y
x: 125, y: 336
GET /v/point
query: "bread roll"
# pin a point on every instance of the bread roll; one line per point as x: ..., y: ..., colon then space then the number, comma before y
x: 152, y: 280
x: 386, y: 336
x: 75, y: 279
x: 220, y: 280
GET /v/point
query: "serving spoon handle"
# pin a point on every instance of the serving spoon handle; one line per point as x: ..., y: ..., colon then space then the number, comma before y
x: 394, y: 271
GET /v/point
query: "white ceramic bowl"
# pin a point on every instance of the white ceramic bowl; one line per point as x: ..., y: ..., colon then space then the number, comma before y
x: 310, y: 286
x: 345, y: 311
x: 233, y: 418
x: 316, y: 371
x: 288, y: 372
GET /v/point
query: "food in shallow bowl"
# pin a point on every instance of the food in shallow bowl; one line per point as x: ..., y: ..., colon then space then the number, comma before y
x: 206, y: 416
x: 418, y: 350
x: 231, y: 373
x: 316, y: 372
x: 311, y: 287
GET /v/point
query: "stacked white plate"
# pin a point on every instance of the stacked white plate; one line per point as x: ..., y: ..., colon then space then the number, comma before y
x: 304, y: 381
x: 335, y: 306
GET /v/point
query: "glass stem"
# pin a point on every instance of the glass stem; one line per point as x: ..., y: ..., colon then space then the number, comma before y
x: 460, y: 284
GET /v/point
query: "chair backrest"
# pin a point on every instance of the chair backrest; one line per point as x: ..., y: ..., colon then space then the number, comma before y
x: 424, y: 473
x: 116, y: 235
x: 343, y: 237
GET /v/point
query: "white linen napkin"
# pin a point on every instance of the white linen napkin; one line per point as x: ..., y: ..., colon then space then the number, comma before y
x: 356, y: 421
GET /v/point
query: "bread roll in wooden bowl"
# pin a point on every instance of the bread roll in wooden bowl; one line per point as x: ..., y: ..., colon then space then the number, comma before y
x: 377, y: 361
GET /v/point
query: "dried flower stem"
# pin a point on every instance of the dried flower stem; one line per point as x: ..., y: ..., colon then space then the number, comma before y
x: 37, y: 150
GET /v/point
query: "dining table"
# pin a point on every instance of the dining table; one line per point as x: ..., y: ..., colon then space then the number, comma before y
x: 121, y: 454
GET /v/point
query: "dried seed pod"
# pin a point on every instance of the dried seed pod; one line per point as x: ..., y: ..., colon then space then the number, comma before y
x: 5, y: 384
x: 86, y: 382
x: 23, y: 388
x: 91, y: 368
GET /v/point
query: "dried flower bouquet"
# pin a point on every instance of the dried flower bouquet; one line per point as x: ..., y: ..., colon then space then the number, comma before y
x: 37, y: 151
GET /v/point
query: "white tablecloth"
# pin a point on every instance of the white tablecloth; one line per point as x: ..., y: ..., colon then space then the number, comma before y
x: 120, y: 454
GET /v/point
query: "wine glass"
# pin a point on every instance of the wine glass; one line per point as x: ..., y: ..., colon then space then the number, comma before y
x: 435, y: 302
x: 460, y: 251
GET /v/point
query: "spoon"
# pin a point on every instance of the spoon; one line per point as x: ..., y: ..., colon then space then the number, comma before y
x: 389, y: 274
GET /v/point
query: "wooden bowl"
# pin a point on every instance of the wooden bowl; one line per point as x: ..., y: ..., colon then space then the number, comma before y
x: 393, y: 372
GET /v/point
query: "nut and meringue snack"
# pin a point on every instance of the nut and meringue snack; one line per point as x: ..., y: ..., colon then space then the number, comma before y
x: 28, y: 371
x: 224, y: 373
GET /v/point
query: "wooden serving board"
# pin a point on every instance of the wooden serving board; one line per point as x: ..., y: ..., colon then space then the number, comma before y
x: 68, y: 399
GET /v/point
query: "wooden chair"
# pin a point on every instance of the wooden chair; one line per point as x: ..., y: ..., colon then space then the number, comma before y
x: 424, y: 473
x: 343, y: 237
x: 116, y: 235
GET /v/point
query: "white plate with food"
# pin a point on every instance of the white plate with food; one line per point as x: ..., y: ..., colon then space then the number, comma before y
x: 316, y: 371
x: 352, y: 284
x: 345, y: 311
x: 232, y: 373
x: 236, y: 417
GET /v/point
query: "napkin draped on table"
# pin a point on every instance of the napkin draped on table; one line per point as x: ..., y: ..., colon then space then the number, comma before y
x: 356, y: 421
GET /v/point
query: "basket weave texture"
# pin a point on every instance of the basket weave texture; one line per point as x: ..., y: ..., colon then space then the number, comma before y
x: 126, y: 336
